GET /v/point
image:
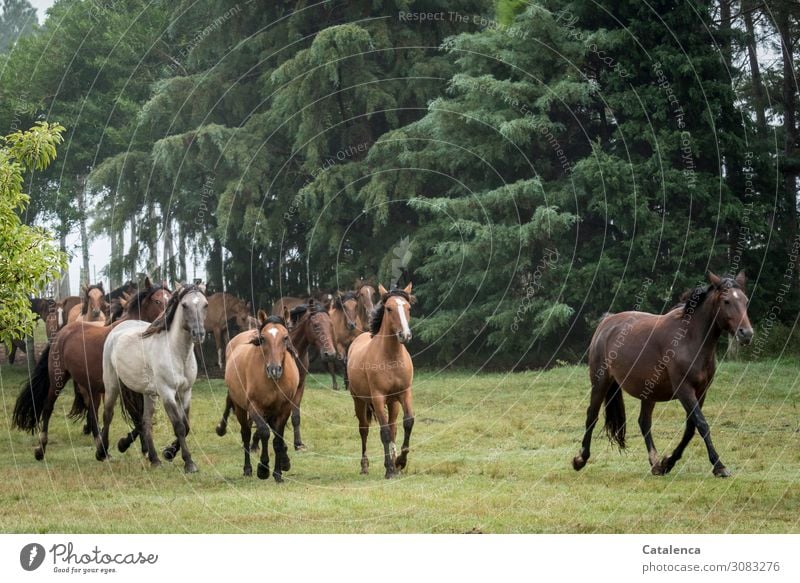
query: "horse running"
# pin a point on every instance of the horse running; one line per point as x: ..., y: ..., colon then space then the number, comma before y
x: 263, y: 379
x: 661, y: 358
x: 155, y: 360
x: 346, y: 327
x: 381, y: 372
x: 76, y: 352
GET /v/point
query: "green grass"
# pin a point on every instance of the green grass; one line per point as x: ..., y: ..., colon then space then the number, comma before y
x: 489, y: 453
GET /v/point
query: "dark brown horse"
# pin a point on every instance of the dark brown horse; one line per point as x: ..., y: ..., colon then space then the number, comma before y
x: 40, y: 307
x: 661, y: 358
x: 311, y: 327
x: 76, y: 352
x: 381, y: 372
x: 365, y: 292
x: 262, y: 377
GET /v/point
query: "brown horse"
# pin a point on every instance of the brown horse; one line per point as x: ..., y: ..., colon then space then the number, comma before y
x: 77, y: 352
x: 93, y: 307
x: 381, y: 372
x: 227, y: 316
x: 283, y: 307
x: 311, y: 327
x: 263, y: 378
x: 365, y: 293
x: 63, y: 308
x: 346, y: 327
x: 661, y: 358
x: 41, y: 307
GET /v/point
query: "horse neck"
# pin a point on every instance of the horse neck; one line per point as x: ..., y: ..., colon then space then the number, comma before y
x: 703, y: 333
x: 299, y: 336
x: 179, y: 338
x: 389, y: 343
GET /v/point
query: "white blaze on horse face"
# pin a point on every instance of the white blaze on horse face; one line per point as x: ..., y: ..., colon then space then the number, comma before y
x: 196, y: 300
x: 735, y: 295
x: 402, y: 312
x: 273, y: 331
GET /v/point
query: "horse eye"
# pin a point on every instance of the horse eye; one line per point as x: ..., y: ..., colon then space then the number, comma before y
x: 727, y: 301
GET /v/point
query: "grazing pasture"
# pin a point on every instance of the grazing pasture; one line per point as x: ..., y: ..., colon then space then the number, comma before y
x: 491, y: 453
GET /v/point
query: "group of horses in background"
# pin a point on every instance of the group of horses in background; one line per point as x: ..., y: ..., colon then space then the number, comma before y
x: 139, y: 346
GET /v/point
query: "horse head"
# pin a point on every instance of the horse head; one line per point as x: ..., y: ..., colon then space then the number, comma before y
x: 273, y: 338
x: 730, y: 303
x: 393, y: 314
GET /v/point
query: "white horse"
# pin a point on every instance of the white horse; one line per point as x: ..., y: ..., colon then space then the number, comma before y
x: 144, y: 361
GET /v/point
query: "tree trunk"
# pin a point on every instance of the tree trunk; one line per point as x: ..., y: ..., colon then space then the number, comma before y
x: 133, y: 252
x: 790, y: 128
x: 182, y: 253
x: 168, y: 263
x: 759, y: 94
x: 85, y: 273
x: 63, y: 284
x: 152, y: 241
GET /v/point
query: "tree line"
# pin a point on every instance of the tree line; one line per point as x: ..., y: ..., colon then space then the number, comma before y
x: 529, y: 165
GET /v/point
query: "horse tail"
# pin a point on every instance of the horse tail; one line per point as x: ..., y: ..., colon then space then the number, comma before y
x: 78, y: 409
x: 132, y: 406
x: 615, y: 416
x: 32, y: 398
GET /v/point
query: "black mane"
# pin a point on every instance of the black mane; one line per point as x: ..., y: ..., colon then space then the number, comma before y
x: 376, y: 318
x: 298, y: 312
x: 164, y: 321
x: 692, y: 299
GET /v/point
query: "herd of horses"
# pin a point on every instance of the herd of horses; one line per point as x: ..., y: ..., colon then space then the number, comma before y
x: 139, y: 347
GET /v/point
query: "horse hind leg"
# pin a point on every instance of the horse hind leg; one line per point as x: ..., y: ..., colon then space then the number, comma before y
x: 262, y: 430
x: 646, y: 424
x: 600, y: 387
x: 282, y: 462
x: 408, y: 425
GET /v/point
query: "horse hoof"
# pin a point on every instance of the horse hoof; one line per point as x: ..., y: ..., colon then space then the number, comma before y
x: 101, y: 455
x: 299, y: 446
x: 123, y: 444
x: 190, y: 468
x: 722, y: 472
x: 222, y: 429
x: 169, y: 453
x: 248, y: 472
x: 155, y: 464
x: 262, y: 472
x: 38, y: 453
x: 578, y: 463
x: 254, y: 448
x: 86, y: 429
x: 392, y: 475
x: 364, y: 471
x: 278, y: 478
x: 286, y: 465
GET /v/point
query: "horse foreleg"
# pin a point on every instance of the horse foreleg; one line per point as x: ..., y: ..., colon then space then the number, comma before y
x: 668, y: 462
x: 282, y: 463
x: 408, y: 425
x: 147, y: 430
x: 179, y: 416
x: 38, y: 452
x: 101, y: 440
x: 262, y: 430
x: 378, y: 408
x: 222, y: 426
x: 363, y: 416
x: 219, y: 345
x: 645, y: 424
x: 298, y: 440
x: 599, y: 390
x: 332, y: 370
x: 394, y: 410
x: 246, y: 430
x: 694, y: 414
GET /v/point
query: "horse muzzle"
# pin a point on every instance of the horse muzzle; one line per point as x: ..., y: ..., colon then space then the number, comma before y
x: 404, y: 337
x: 328, y: 356
x: 198, y: 336
x: 274, y: 371
x: 744, y: 336
x: 351, y: 326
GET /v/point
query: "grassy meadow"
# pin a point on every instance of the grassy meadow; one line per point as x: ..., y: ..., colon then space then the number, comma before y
x: 489, y: 453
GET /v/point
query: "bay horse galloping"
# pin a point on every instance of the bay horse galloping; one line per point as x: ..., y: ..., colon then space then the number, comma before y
x: 155, y: 361
x: 76, y: 352
x: 380, y: 374
x: 661, y: 358
x: 263, y: 378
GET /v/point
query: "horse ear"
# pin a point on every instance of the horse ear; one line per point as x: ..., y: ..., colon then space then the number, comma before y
x: 740, y: 279
x: 249, y: 305
x: 84, y: 289
x: 713, y: 279
x: 407, y: 289
x: 147, y: 283
x: 100, y: 285
x: 262, y: 317
x: 287, y: 314
x: 382, y: 290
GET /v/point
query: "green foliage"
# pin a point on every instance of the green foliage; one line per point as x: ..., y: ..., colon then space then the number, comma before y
x: 28, y: 260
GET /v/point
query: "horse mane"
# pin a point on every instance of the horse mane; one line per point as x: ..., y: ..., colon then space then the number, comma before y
x: 164, y: 321
x: 376, y: 318
x: 298, y: 312
x: 85, y: 300
x: 136, y: 301
x: 339, y: 300
x: 693, y: 298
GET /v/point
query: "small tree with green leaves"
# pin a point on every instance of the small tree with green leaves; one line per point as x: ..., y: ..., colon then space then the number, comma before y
x: 28, y: 256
